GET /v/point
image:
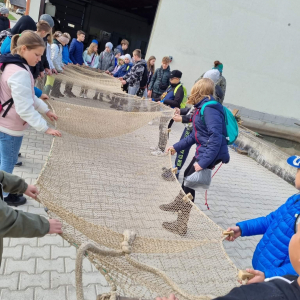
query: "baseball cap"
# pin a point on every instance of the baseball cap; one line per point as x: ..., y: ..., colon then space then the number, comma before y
x: 175, y: 73
x: 294, y: 161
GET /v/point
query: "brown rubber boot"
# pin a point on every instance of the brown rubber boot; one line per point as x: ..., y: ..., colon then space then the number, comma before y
x: 180, y: 225
x: 177, y: 204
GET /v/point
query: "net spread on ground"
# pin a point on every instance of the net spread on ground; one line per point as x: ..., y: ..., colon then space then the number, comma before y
x: 102, y: 182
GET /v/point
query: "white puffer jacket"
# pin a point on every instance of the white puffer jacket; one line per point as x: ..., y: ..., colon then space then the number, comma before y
x: 56, y: 56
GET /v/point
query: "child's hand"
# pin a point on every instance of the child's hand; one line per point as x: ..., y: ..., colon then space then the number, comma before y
x: 259, y: 276
x: 177, y: 118
x: 173, y: 151
x: 42, y: 75
x: 44, y: 97
x: 51, y: 115
x: 53, y: 132
x: 54, y: 71
x: 149, y: 94
x: 48, y: 71
x: 32, y: 191
x: 123, y: 82
x: 197, y: 167
x: 177, y: 111
x: 55, y: 226
x: 237, y: 233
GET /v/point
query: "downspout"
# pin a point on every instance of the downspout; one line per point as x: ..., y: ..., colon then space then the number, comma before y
x: 27, y: 8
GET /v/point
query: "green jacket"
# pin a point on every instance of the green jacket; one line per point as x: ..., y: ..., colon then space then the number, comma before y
x: 16, y: 223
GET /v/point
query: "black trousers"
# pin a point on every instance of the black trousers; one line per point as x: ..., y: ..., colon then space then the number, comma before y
x: 189, y: 171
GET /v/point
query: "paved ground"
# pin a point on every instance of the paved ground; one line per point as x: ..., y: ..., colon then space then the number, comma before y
x: 44, y: 268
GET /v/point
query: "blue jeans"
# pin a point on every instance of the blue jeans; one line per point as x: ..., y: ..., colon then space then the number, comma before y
x: 183, y: 154
x: 132, y: 90
x: 9, y: 149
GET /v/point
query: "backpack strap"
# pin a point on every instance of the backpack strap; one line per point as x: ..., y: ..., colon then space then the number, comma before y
x: 205, y: 104
x: 177, y: 87
x: 10, y: 102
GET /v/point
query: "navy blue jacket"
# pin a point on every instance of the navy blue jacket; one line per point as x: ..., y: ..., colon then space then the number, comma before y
x: 209, y: 133
x: 123, y: 70
x: 76, y: 52
x: 119, y: 47
x: 271, y: 255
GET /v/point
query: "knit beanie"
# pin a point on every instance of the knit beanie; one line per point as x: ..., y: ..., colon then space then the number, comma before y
x: 219, y: 67
x: 48, y: 19
x: 122, y: 57
x: 4, y: 11
x: 109, y: 45
x: 116, y: 51
x: 95, y: 42
x: 213, y: 74
x: 128, y: 56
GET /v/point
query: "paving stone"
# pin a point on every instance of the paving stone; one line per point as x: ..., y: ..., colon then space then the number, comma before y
x: 9, y: 281
x: 43, y: 265
x: 88, y: 292
x: 7, y: 294
x: 50, y: 294
x: 13, y: 252
x: 58, y: 279
x: 43, y: 252
x: 63, y: 252
x: 20, y: 266
x: 34, y: 280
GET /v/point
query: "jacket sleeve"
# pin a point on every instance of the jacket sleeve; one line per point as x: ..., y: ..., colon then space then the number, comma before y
x: 177, y: 100
x: 40, y: 105
x: 12, y: 183
x: 84, y: 55
x: 38, y: 92
x: 185, y: 143
x: 117, y: 74
x: 112, y: 64
x: 45, y: 64
x: 51, y: 66
x: 100, y: 61
x: 5, y: 47
x: 152, y: 81
x: 72, y: 52
x: 286, y: 269
x: 260, y: 225
x: 187, y: 119
x: 214, y: 123
x: 20, y: 85
x: 55, y: 57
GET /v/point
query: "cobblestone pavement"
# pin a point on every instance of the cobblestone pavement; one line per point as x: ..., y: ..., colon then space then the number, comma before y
x: 43, y: 268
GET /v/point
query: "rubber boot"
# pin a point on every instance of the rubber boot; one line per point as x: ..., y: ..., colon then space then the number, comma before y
x: 175, y: 205
x: 180, y: 225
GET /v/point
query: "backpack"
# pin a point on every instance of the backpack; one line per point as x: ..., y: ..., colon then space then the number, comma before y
x: 9, y: 103
x: 232, y: 127
x: 144, y: 80
x: 3, y: 35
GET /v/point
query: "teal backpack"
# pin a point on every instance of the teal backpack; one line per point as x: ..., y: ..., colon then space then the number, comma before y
x: 232, y: 127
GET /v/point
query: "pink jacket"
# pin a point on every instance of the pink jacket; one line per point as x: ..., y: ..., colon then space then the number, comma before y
x: 14, y: 84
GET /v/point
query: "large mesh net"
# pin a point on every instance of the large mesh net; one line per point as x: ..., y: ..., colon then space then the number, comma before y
x: 101, y: 179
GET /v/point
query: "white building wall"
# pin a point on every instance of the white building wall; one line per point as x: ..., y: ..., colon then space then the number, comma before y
x: 253, y: 40
x: 35, y: 9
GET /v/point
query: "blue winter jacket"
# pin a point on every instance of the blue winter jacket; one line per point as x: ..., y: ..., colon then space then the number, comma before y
x: 76, y: 51
x: 271, y: 255
x: 209, y: 133
x: 119, y: 47
x: 5, y: 47
x: 66, y: 55
x: 123, y: 70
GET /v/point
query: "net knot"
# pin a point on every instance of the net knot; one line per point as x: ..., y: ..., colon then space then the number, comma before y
x: 109, y: 296
x: 129, y: 237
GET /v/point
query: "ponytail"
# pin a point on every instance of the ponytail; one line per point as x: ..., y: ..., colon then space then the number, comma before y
x: 28, y: 38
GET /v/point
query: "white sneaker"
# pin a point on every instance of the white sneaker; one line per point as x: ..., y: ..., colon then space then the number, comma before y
x: 154, y: 148
x: 159, y: 153
x: 81, y: 95
x: 85, y: 96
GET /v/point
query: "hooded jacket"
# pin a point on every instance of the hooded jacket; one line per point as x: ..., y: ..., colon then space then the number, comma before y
x: 66, y: 55
x: 76, y: 51
x: 271, y: 255
x: 160, y: 80
x: 135, y: 75
x: 16, y: 223
x: 209, y: 133
x: 123, y: 70
x: 106, y: 61
x: 90, y: 60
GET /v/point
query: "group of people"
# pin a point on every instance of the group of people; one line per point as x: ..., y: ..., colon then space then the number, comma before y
x: 29, y: 52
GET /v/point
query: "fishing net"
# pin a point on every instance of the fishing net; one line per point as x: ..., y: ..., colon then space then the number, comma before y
x: 102, y: 182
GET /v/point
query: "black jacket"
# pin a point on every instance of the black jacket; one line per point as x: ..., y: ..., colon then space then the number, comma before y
x: 4, y: 23
x: 24, y: 23
x: 275, y: 289
x: 160, y: 81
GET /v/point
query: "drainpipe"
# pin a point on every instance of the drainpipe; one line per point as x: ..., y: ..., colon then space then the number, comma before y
x: 27, y: 8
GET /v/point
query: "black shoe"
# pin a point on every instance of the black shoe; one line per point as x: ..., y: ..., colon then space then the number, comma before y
x: 19, y: 164
x: 15, y: 200
x: 60, y: 94
x: 19, y: 154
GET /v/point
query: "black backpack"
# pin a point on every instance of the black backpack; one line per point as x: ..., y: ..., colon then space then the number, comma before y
x: 144, y: 80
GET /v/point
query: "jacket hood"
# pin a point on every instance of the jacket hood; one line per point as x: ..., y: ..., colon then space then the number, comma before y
x: 24, y: 23
x: 10, y: 58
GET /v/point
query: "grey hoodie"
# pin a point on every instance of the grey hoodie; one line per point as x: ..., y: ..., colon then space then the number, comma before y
x: 106, y: 61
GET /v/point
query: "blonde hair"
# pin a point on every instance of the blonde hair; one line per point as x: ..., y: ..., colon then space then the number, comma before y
x: 91, y: 49
x: 28, y: 38
x: 43, y: 26
x: 137, y: 52
x: 166, y: 60
x: 201, y: 89
x: 67, y: 35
